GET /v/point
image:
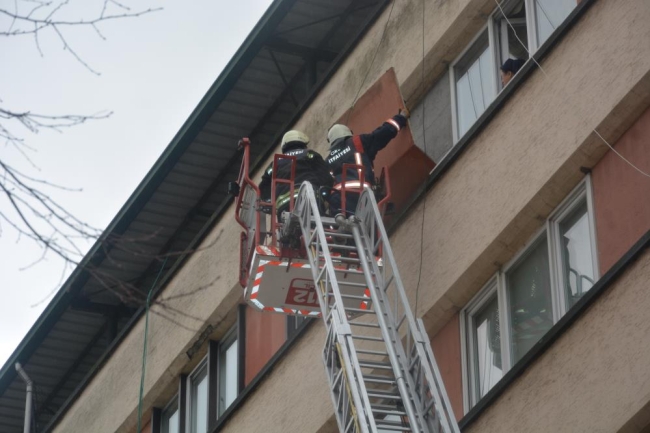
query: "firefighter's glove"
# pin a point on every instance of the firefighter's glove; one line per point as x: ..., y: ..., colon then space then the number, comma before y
x: 405, y: 113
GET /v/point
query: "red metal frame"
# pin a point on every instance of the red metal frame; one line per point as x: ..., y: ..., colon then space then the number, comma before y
x: 384, y: 179
x: 274, y: 182
x: 244, y: 181
x: 362, y: 177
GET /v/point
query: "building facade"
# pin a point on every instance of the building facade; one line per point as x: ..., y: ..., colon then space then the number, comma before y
x: 522, y: 237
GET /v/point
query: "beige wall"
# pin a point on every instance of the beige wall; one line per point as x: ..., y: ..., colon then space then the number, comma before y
x: 477, y: 216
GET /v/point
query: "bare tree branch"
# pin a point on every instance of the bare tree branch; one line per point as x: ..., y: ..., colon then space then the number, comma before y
x: 27, y: 203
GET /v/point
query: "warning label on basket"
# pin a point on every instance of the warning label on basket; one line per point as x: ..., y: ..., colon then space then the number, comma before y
x: 302, y: 293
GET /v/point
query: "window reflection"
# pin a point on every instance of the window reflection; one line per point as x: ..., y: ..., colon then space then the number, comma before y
x: 170, y: 418
x: 577, y: 258
x: 529, y: 295
x: 549, y: 15
x: 199, y: 402
x: 228, y: 375
x: 474, y: 90
x: 487, y: 347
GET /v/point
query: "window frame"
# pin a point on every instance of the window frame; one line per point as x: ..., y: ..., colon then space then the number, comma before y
x: 452, y: 77
x: 173, y: 403
x: 225, y: 343
x: 497, y: 286
x: 491, y: 289
x: 582, y: 193
x: 197, y: 371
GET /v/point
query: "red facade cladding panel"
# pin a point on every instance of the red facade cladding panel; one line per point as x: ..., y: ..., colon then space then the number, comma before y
x: 622, y: 194
x: 446, y: 349
x: 265, y: 333
x: 407, y: 165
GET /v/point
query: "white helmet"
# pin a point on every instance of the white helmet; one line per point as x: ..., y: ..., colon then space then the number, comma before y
x: 338, y: 131
x: 292, y: 137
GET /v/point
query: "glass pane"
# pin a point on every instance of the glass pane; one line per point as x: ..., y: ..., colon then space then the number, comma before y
x: 199, y: 402
x: 550, y: 14
x: 473, y: 84
x: 577, y: 258
x: 487, y: 347
x: 529, y: 296
x: 170, y: 420
x: 515, y: 45
x: 227, y: 376
x: 516, y: 38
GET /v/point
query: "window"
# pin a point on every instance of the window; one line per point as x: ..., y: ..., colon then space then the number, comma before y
x: 198, y: 395
x: 294, y: 323
x: 549, y: 14
x: 484, y: 342
x: 524, y: 300
x: 170, y: 417
x: 473, y: 83
x: 513, y: 30
x: 512, y: 33
x: 530, y: 305
x: 228, y: 378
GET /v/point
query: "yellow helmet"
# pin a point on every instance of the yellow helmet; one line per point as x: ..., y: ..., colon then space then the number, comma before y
x: 338, y: 131
x: 294, y: 136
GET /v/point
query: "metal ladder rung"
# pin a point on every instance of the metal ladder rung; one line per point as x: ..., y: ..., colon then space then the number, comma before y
x: 362, y: 298
x: 351, y: 284
x: 388, y: 412
x: 367, y: 338
x: 342, y: 259
x: 348, y: 271
x: 386, y: 407
x: 373, y: 352
x: 385, y: 392
x: 360, y: 310
x: 387, y: 380
x: 384, y: 396
x: 338, y: 246
x: 339, y: 235
x: 387, y: 425
x: 364, y: 324
x: 364, y: 363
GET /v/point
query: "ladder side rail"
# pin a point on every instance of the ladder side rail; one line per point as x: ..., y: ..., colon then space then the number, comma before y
x: 368, y: 212
x: 396, y: 355
x: 445, y: 404
x: 306, y: 209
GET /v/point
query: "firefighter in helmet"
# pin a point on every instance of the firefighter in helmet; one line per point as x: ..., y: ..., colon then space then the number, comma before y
x: 346, y: 148
x: 310, y: 166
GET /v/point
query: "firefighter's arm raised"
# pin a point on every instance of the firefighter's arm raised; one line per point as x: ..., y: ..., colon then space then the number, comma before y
x: 380, y: 137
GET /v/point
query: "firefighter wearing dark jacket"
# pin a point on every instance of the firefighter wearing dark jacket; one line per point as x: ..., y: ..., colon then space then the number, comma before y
x: 346, y: 148
x: 310, y: 166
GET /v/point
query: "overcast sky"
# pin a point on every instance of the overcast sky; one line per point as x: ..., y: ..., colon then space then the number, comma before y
x: 154, y: 70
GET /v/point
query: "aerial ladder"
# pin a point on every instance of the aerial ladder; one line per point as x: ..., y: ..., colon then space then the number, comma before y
x: 379, y: 363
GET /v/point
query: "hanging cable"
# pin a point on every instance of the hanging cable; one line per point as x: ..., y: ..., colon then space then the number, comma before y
x: 424, y: 202
x: 547, y: 77
x: 144, y: 345
x: 381, y: 39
